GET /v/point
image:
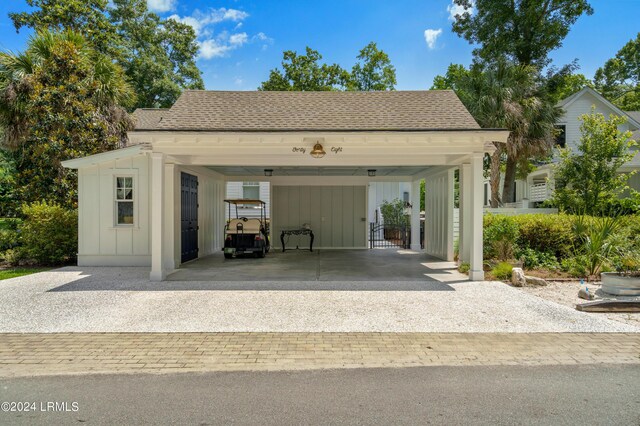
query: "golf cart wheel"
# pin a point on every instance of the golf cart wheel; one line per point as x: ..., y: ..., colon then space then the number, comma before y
x: 228, y: 256
x: 261, y: 254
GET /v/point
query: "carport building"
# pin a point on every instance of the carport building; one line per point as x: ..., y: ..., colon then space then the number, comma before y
x: 159, y: 201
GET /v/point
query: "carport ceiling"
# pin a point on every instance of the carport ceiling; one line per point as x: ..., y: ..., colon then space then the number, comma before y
x: 319, y: 171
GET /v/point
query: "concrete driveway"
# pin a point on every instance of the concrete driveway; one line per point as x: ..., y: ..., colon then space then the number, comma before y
x: 417, y: 296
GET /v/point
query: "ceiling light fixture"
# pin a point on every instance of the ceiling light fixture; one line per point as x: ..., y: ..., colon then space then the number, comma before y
x: 318, y: 151
x: 371, y: 172
x: 268, y: 172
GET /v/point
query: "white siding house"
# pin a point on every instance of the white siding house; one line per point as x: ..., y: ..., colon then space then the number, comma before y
x: 539, y: 184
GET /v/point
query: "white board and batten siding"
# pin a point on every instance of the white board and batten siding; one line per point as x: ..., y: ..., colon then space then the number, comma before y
x: 581, y: 106
x: 235, y: 191
x: 101, y: 241
x: 336, y: 214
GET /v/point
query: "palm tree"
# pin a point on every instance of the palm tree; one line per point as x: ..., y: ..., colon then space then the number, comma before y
x: 510, y: 96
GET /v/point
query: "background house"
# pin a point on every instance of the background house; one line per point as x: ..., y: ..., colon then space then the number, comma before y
x: 539, y: 184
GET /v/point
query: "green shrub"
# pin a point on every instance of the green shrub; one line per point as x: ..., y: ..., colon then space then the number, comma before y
x: 500, y: 236
x: 575, y: 266
x: 8, y: 239
x: 11, y: 256
x: 464, y: 267
x: 597, y: 239
x: 49, y: 233
x: 546, y: 233
x: 393, y: 212
x: 535, y: 259
x: 9, y: 235
x: 502, y: 271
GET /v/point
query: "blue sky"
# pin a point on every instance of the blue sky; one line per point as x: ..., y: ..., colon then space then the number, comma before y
x: 241, y: 40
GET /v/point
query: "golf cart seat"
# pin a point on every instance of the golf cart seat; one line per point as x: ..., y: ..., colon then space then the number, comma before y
x: 240, y: 226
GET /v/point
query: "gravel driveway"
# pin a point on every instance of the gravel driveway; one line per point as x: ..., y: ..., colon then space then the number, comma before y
x: 123, y: 300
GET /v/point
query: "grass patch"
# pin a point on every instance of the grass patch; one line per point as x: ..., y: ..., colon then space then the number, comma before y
x: 5, y: 274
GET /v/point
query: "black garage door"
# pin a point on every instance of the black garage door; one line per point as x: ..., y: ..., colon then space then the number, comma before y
x: 189, y: 217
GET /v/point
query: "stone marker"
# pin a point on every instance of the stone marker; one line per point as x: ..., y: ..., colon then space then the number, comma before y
x: 586, y: 295
x: 517, y: 277
x: 535, y: 281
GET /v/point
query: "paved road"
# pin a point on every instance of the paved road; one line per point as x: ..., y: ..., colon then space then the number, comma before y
x: 605, y: 394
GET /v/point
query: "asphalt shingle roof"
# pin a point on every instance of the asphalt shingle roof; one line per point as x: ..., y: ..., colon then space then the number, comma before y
x: 289, y: 111
x: 148, y: 118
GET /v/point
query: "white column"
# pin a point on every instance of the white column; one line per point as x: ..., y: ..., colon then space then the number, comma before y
x: 476, y: 273
x: 158, y: 272
x: 415, y: 215
x: 464, y: 240
x: 450, y: 200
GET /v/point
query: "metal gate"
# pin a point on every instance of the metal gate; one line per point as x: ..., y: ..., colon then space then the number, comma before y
x: 389, y: 236
x: 189, y: 217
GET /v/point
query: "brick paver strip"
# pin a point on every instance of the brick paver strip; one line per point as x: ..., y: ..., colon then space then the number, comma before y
x: 79, y: 353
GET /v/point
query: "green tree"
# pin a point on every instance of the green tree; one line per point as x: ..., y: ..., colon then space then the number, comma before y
x: 619, y: 79
x: 564, y: 82
x: 8, y: 195
x: 305, y: 73
x: 59, y: 100
x: 87, y: 17
x: 158, y: 55
x: 373, y: 71
x: 589, y: 179
x: 524, y: 31
x: 455, y: 74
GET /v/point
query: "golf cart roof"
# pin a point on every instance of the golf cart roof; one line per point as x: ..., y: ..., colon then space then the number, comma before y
x: 245, y: 201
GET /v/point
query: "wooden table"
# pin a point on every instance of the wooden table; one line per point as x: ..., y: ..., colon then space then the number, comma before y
x: 301, y: 231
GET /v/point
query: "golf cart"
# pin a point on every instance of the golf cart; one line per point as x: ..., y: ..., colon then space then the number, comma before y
x: 245, y: 235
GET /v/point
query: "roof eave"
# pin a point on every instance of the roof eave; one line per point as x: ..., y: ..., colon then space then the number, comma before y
x: 78, y: 163
x: 306, y: 130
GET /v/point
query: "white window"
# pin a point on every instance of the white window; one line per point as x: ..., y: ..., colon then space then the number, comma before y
x: 251, y: 190
x: 124, y: 200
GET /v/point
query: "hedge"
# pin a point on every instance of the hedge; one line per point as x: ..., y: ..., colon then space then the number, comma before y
x: 48, y: 233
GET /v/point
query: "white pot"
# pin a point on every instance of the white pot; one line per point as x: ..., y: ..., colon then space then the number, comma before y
x: 614, y: 283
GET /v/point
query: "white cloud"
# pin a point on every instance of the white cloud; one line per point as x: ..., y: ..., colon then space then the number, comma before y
x: 212, y: 49
x: 431, y: 36
x: 261, y: 36
x: 189, y: 20
x: 455, y: 9
x: 231, y: 15
x: 238, y: 39
x: 161, y: 5
x: 200, y: 20
x: 238, y: 81
x: 220, y: 44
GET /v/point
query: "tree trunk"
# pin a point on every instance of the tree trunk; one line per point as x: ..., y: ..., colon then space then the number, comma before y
x: 508, y: 190
x: 495, y: 176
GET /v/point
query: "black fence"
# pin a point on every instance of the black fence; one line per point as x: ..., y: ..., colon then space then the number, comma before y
x: 389, y: 236
x: 392, y: 236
